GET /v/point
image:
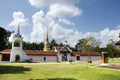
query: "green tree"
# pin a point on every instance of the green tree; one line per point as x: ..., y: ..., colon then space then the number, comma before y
x: 33, y: 46
x: 41, y: 46
x: 61, y: 44
x: 97, y: 49
x: 8, y: 45
x: 53, y: 43
x: 112, y: 49
x: 4, y: 34
x: 87, y: 44
x: 81, y: 45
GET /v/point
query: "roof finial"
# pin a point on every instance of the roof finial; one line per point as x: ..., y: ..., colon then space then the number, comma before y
x: 18, y: 30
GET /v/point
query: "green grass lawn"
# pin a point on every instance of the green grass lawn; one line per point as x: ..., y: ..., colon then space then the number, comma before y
x: 55, y: 71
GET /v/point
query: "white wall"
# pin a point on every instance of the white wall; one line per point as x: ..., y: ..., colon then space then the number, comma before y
x: 18, y: 51
x: 59, y: 56
x: 73, y: 58
x: 41, y: 58
x: 83, y: 58
x: 68, y: 56
x: 54, y: 58
x: 95, y: 57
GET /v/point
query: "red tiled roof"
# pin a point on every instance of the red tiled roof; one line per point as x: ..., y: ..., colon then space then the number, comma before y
x: 51, y: 53
x: 32, y: 52
x: 37, y: 52
x: 7, y: 51
x: 86, y: 53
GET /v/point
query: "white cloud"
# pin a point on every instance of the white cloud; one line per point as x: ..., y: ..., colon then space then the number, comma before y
x: 41, y: 3
x: 38, y: 27
x: 46, y: 3
x: 40, y: 23
x: 61, y: 10
x: 26, y: 38
x: 58, y: 10
x: 18, y: 18
x: 65, y: 21
x: 11, y: 37
x: 73, y: 38
x: 61, y: 34
x: 106, y: 35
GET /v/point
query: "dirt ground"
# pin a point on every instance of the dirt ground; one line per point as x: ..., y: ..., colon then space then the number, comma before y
x: 111, y: 66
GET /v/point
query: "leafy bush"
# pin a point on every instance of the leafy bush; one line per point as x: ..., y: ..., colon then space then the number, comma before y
x: 71, y: 61
x: 28, y: 60
x: 89, y: 61
x: 58, y: 61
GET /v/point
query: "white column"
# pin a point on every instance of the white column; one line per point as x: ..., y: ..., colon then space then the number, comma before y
x: 59, y: 57
x: 68, y: 56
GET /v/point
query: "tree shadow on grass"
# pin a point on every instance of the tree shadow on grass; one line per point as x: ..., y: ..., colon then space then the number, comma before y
x: 12, y: 69
x: 55, y: 79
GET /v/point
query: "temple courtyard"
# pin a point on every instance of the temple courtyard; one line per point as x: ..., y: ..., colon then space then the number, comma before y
x: 60, y: 71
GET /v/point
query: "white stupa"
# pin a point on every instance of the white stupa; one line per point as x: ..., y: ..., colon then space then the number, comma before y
x: 17, y: 53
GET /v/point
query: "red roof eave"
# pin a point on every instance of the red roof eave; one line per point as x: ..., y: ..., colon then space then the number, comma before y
x: 32, y: 52
x: 7, y: 51
x: 86, y: 53
x: 51, y: 53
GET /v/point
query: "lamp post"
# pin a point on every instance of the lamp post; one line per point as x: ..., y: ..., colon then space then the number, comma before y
x: 111, y: 42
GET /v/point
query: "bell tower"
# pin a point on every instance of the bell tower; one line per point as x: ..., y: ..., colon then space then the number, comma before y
x: 47, y: 44
x: 17, y: 53
x: 17, y: 40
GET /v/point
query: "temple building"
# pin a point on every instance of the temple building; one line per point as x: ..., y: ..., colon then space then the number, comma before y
x: 47, y: 55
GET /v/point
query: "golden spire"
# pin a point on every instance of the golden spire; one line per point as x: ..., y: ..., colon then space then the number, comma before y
x: 47, y: 36
x: 47, y: 44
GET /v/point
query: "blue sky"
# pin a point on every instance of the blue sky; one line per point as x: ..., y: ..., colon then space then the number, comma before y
x: 100, y: 14
x: 66, y: 19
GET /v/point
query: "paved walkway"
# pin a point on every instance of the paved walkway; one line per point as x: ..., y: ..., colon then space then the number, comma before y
x: 111, y: 66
